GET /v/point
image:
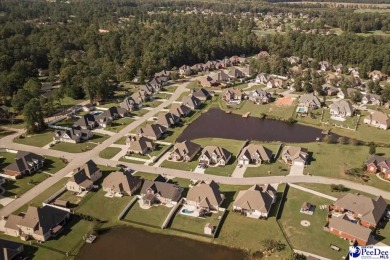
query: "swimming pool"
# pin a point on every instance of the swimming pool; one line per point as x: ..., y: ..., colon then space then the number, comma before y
x: 187, y: 211
x: 96, y: 113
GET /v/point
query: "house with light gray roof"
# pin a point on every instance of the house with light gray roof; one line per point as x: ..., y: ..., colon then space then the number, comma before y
x: 341, y: 108
x: 205, y: 197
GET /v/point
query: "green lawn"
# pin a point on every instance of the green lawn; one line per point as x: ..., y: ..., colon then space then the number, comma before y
x: 109, y: 104
x: 194, y: 84
x: 384, y: 232
x: 186, y: 166
x: 5, y: 132
x: 130, y: 161
x: 53, y: 164
x: 272, y: 169
x: 140, y: 112
x: 154, y: 216
x: 119, y: 124
x: 20, y: 186
x: 109, y: 152
x: 146, y: 175
x: 349, y: 122
x: 67, y: 122
x: 6, y: 158
x: 69, y: 196
x: 193, y: 224
x: 162, y: 96
x: 81, y: 147
x: 121, y: 140
x: 312, y: 239
x: 38, y: 140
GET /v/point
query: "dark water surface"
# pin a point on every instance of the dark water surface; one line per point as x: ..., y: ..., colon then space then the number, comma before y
x: 216, y: 123
x: 131, y: 243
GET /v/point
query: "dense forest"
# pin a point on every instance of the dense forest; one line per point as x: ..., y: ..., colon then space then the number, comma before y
x: 139, y: 38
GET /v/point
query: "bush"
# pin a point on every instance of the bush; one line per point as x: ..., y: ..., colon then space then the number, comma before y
x: 342, y: 140
x: 291, y: 121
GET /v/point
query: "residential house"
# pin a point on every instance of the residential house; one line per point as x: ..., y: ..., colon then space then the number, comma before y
x: 147, y: 89
x: 232, y: 95
x: 152, y: 131
x: 247, y: 71
x: 369, y: 211
x: 220, y: 76
x: 254, y: 154
x: 207, y: 81
x: 324, y: 65
x: 9, y: 249
x: 156, y: 84
x: 87, y: 122
x: 25, y: 163
x: 72, y: 135
x: 329, y: 90
x: 180, y: 110
x: 185, y: 70
x: 260, y: 97
x: 209, y: 65
x: 84, y: 177
x: 342, y: 108
x: 256, y: 202
x: 140, y: 144
x: 225, y: 63
x: 38, y: 223
x: 276, y: 83
x: 294, y: 155
x: 130, y: 104
x: 263, y: 54
x: 294, y: 60
x: 167, y: 119
x: 141, y: 96
x: 215, y: 156
x: 263, y: 78
x: 307, y: 102
x: 184, y: 151
x: 346, y: 93
x: 235, y: 73
x: 205, y: 197
x: 202, y: 94
x: 191, y: 101
x: 378, y: 119
x: 197, y: 68
x: 372, y: 99
x: 121, y: 183
x: 296, y: 70
x: 378, y: 163
x: 163, y: 73
x: 377, y: 75
x: 156, y: 192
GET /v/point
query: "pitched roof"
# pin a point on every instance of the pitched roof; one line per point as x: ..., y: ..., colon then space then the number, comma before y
x: 295, y: 152
x: 219, y: 151
x: 342, y: 106
x: 166, y: 190
x: 139, y: 143
x: 167, y: 119
x: 206, y: 194
x: 343, y: 224
x: 376, y: 159
x: 186, y: 148
x: 179, y: 110
x: 24, y: 161
x: 253, y: 151
x: 85, y: 120
x: 191, y: 101
x: 121, y: 181
x: 256, y: 198
x: 371, y: 210
x: 308, y: 99
x: 380, y: 117
x: 82, y: 175
x: 10, y: 248
x: 201, y: 93
x: 152, y: 130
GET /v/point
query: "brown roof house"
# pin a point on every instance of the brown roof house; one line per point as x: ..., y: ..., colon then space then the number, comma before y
x: 259, y: 97
x: 10, y: 249
x: 156, y: 192
x: 378, y: 119
x: 167, y: 119
x: 254, y: 154
x: 372, y: 99
x: 235, y: 73
x: 205, y: 197
x: 202, y: 94
x: 184, y: 151
x: 342, y: 108
x: 263, y: 78
x: 121, y: 183
x: 307, y: 102
x: 140, y: 144
x: 378, y: 163
x: 152, y: 131
x: 191, y: 102
x: 180, y: 110
x: 232, y: 95
x: 377, y: 75
x: 294, y: 155
x: 84, y: 177
x: 38, y: 223
x: 329, y: 90
x: 215, y: 156
x: 276, y: 83
x: 207, y: 81
x: 256, y: 202
x: 354, y: 217
x: 25, y: 163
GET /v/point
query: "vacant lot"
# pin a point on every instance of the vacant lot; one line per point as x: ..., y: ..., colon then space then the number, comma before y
x: 109, y: 152
x: 20, y: 186
x: 154, y: 216
x: 193, y: 224
x: 38, y: 140
x: 119, y: 124
x: 312, y: 239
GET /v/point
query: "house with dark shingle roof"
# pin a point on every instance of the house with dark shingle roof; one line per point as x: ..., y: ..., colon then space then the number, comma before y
x: 202, y: 94
x: 140, y: 144
x: 167, y: 119
x: 87, y: 121
x: 191, y: 102
x: 152, y: 131
x: 25, y: 163
x: 121, y: 183
x: 38, y: 223
x: 156, y: 192
x: 205, y: 197
x: 84, y: 177
x: 254, y: 154
x: 259, y: 97
x: 180, y: 110
x: 184, y: 151
x: 256, y: 202
x: 10, y: 249
x: 130, y: 104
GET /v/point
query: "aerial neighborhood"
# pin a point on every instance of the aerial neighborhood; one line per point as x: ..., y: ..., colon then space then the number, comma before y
x: 256, y: 144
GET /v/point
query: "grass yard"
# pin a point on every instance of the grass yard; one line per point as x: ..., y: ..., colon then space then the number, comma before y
x: 130, y: 161
x: 69, y: 196
x: 154, y: 216
x: 186, y: 166
x: 6, y: 158
x: 38, y: 140
x: 121, y: 140
x: 69, y: 122
x: 194, y: 84
x: 73, y: 148
x: 162, y: 96
x: 146, y: 175
x: 119, y: 124
x: 309, y: 120
x: 140, y: 112
x: 272, y: 169
x: 170, y: 88
x: 109, y: 152
x: 312, y: 239
x: 193, y: 224
x: 52, y: 164
x: 108, y: 105
x: 20, y: 186
x: 384, y: 232
x: 350, y: 122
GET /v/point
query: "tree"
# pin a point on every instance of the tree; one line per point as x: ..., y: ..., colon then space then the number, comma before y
x: 386, y: 93
x: 356, y: 96
x: 20, y: 99
x: 296, y: 256
x: 372, y: 148
x: 271, y: 245
x: 33, y: 116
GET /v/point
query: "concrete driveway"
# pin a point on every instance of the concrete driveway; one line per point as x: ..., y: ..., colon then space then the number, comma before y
x: 296, y: 170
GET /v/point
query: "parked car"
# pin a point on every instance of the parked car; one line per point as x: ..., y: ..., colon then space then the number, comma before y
x: 119, y: 165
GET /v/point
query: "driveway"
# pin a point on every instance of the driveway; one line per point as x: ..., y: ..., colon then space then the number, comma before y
x: 199, y: 170
x: 239, y: 172
x: 296, y: 170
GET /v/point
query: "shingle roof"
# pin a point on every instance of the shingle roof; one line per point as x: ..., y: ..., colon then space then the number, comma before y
x: 380, y: 117
x: 256, y: 198
x: 206, y: 194
x: 308, y: 99
x: 186, y: 148
x: 166, y: 190
x: 24, y: 161
x: 121, y: 182
x: 152, y: 130
x: 219, y: 151
x: 343, y: 224
x: 253, y: 151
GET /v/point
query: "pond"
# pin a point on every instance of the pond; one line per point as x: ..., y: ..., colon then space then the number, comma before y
x: 218, y: 124
x: 132, y: 243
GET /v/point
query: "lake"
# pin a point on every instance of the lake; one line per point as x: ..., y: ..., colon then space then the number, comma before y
x: 218, y: 124
x: 132, y: 243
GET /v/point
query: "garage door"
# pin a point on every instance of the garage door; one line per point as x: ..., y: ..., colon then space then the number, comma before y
x: 299, y: 163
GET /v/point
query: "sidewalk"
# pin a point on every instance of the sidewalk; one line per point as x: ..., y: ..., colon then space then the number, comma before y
x: 310, y: 254
x: 102, y: 131
x: 312, y: 192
